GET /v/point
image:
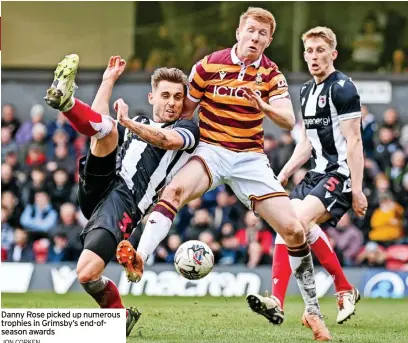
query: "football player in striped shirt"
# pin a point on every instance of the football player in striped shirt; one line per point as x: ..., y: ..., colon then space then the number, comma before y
x: 120, y: 182
x: 235, y: 90
x: 331, y: 112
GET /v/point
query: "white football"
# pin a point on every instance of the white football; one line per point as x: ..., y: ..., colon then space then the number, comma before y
x: 194, y: 260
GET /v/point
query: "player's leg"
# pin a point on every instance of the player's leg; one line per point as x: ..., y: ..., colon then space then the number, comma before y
x: 190, y: 182
x: 327, y: 203
x: 99, y: 249
x: 81, y: 116
x: 111, y: 221
x: 281, y: 270
x: 255, y: 184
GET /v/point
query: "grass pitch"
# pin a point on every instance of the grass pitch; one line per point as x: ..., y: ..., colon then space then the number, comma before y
x: 229, y: 320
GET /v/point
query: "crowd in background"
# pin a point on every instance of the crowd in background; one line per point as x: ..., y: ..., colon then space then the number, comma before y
x: 41, y: 221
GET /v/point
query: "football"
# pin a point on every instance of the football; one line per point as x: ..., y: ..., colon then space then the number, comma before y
x: 194, y: 260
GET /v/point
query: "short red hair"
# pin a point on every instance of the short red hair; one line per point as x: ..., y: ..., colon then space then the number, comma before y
x: 259, y: 14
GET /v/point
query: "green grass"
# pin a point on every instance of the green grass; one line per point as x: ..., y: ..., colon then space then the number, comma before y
x: 229, y: 320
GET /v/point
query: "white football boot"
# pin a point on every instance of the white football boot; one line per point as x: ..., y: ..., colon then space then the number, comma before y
x: 346, y: 304
x: 60, y: 94
x: 267, y: 306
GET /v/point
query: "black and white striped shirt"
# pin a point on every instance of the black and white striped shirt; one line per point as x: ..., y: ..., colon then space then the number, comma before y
x: 146, y: 168
x: 323, y: 106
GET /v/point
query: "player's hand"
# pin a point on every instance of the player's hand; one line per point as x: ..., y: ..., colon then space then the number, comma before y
x: 283, y: 179
x: 254, y: 99
x: 115, y: 68
x: 122, y: 110
x: 359, y: 203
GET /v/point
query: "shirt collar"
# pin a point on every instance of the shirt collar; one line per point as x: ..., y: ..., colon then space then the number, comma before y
x: 236, y: 60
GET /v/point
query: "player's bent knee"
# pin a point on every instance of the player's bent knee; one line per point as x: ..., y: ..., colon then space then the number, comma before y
x: 102, y: 147
x: 293, y: 233
x: 89, y: 267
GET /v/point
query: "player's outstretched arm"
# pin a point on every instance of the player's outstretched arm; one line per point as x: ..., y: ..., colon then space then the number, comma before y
x: 355, y: 159
x: 280, y: 111
x: 162, y: 138
x: 115, y: 68
x: 301, y: 154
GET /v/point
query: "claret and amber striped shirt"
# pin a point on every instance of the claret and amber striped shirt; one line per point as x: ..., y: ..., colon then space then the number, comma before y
x: 226, y: 117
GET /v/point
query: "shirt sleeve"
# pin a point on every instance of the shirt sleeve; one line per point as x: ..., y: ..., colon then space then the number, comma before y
x: 190, y: 133
x: 346, y: 100
x: 197, y: 81
x: 278, y: 87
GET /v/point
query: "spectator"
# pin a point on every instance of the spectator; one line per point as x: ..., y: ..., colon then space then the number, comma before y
x: 201, y: 221
x: 60, y: 137
x: 386, y: 222
x: 62, y: 160
x: 70, y: 227
x: 164, y: 254
x: 24, y: 134
x: 20, y: 250
x: 57, y: 252
x: 12, y: 204
x: 7, y: 231
x: 372, y: 255
x: 348, y: 239
x: 9, y: 120
x: 7, y: 143
x: 229, y: 252
x: 34, y: 152
x: 61, y: 123
x: 369, y: 128
x: 12, y: 160
x: 41, y: 248
x: 391, y: 120
x: 40, y: 217
x: 185, y: 215
x: 386, y: 147
x: 8, y: 180
x: 221, y: 213
x: 37, y: 182
x: 396, y: 171
x: 256, y: 241
x: 61, y: 190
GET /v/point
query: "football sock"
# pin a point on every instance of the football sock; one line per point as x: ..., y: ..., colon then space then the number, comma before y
x: 89, y: 122
x: 105, y: 292
x: 281, y: 271
x: 157, y: 227
x: 301, y: 262
x: 328, y: 259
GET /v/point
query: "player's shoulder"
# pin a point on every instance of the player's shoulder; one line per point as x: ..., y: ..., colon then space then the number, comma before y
x: 267, y: 63
x: 306, y: 85
x: 220, y: 57
x: 343, y: 86
x: 185, y: 123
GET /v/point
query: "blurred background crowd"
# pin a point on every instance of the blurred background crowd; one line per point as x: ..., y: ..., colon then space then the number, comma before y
x: 41, y: 221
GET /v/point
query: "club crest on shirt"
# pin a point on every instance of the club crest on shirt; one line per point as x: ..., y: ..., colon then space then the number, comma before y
x: 258, y: 79
x: 322, y: 101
